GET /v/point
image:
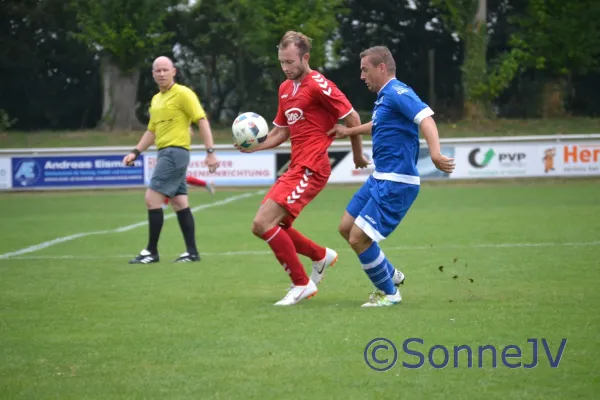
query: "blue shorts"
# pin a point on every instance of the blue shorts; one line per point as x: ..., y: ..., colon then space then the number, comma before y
x: 379, y: 206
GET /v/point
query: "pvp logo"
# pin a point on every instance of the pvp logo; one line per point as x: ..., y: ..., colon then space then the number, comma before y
x: 27, y: 172
x: 504, y: 159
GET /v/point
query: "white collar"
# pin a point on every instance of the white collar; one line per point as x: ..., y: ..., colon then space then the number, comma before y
x: 391, y: 79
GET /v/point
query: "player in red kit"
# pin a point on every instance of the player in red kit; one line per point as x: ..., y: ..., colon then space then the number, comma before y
x: 309, y: 106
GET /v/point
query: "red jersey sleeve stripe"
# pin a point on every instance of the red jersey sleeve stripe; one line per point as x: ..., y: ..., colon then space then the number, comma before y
x: 348, y: 113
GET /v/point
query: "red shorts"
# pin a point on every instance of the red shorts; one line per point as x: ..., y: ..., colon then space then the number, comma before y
x: 296, y: 188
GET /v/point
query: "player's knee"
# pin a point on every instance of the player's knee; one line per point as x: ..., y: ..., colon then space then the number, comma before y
x: 344, y: 231
x: 358, y: 241
x: 354, y: 240
x: 179, y: 203
x: 259, y: 227
x: 153, y: 200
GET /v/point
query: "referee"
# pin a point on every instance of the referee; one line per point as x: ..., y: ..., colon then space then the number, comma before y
x: 172, y: 110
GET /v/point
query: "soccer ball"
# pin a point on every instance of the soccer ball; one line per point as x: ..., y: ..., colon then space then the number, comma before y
x: 249, y: 129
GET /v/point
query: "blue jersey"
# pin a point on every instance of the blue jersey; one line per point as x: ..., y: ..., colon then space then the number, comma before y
x: 396, y: 117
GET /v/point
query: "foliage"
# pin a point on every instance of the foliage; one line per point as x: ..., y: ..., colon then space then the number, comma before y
x: 233, y: 44
x: 129, y: 31
x: 50, y: 79
x: 483, y: 80
x: 410, y: 32
x: 560, y: 37
x: 500, y: 73
x: 50, y: 52
x: 460, y: 14
x: 5, y: 121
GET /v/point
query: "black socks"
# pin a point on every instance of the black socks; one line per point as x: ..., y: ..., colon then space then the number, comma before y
x: 155, y: 223
x: 188, y: 228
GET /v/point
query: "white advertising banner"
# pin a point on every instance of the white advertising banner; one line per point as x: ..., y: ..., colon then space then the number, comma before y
x: 344, y: 171
x: 235, y: 168
x: 497, y: 160
x: 513, y: 160
x: 5, y: 173
x: 571, y: 159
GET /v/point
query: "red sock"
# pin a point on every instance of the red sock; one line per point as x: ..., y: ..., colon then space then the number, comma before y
x: 305, y: 246
x: 284, y: 250
x: 195, y: 181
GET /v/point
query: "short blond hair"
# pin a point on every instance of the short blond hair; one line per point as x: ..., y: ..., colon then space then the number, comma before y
x: 302, y: 42
x: 380, y: 55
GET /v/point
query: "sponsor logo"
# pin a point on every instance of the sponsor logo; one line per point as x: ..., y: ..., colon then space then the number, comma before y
x: 371, y: 220
x: 487, y: 157
x: 548, y: 159
x: 399, y: 89
x: 513, y: 159
x: 294, y: 115
x: 581, y: 158
x: 27, y: 172
x: 499, y: 161
x: 581, y: 154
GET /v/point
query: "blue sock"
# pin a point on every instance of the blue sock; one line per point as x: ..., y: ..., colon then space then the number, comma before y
x: 376, y: 267
x: 390, y: 268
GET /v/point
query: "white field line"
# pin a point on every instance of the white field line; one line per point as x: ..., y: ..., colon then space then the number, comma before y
x: 388, y: 249
x: 43, y: 245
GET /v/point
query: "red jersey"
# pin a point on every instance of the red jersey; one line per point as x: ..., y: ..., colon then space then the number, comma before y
x: 309, y: 109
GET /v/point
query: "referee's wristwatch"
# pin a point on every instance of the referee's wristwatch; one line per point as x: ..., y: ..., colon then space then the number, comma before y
x: 210, y: 150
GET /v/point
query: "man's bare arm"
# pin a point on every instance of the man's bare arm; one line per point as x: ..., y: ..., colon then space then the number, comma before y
x: 352, y: 120
x: 146, y: 141
x: 429, y: 131
x: 276, y: 137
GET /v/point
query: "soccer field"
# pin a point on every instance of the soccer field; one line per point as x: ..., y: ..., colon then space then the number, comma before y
x: 486, y: 264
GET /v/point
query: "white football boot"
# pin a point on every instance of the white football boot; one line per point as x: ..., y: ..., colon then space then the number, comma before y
x: 210, y: 188
x: 298, y: 293
x: 319, y: 267
x: 398, y: 278
x: 380, y: 299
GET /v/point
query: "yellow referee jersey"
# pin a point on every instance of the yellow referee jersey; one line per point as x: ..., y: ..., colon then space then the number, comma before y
x: 171, y: 114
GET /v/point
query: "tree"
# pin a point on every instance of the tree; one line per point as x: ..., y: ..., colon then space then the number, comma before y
x: 232, y: 43
x: 469, y: 20
x: 126, y: 34
x: 49, y: 79
x: 483, y: 80
x: 560, y: 39
x: 410, y: 31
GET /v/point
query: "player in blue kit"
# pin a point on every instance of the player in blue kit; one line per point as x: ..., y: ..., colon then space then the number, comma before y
x: 380, y: 204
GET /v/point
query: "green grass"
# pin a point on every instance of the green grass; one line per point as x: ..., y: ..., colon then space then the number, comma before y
x: 502, y: 127
x: 78, y: 322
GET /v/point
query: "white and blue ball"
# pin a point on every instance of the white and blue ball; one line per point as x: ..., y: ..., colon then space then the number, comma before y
x: 249, y: 130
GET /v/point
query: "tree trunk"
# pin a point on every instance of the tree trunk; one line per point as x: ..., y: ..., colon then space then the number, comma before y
x: 120, y: 97
x: 241, y: 80
x: 552, y: 101
x: 475, y: 65
x: 211, y: 65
